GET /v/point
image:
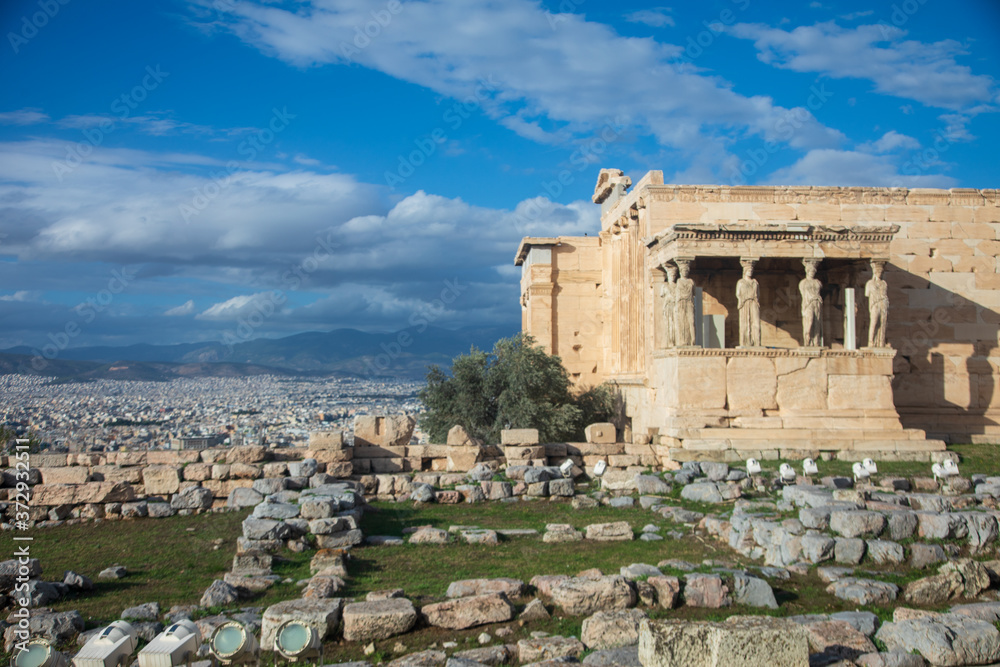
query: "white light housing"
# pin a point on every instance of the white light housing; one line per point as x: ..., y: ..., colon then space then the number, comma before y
x: 870, y: 466
x: 177, y: 645
x: 566, y: 467
x: 600, y: 467
x: 860, y: 471
x: 297, y: 641
x: 787, y: 473
x: 753, y: 467
x: 111, y: 647
x: 809, y: 467
x: 38, y: 653
x: 233, y: 644
x: 950, y: 468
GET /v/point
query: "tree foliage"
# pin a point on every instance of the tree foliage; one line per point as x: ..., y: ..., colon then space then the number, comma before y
x: 517, y: 385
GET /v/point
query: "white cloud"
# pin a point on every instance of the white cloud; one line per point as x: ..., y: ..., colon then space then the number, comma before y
x: 854, y: 168
x: 21, y: 295
x: 552, y: 81
x: 242, y: 306
x: 925, y: 72
x: 23, y: 117
x: 185, y: 308
x: 890, y: 142
x: 657, y: 17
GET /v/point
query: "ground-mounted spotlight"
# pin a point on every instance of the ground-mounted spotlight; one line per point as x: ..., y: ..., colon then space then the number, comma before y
x: 233, y: 644
x: 38, y: 653
x: 600, y: 467
x: 296, y: 641
x: 111, y: 647
x: 177, y: 645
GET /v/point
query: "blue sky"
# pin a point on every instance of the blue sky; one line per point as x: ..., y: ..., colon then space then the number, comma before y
x: 178, y: 171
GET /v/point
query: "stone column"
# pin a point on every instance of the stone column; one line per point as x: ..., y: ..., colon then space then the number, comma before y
x: 812, y: 305
x: 877, y: 293
x: 684, y: 316
x: 748, y: 305
x: 850, y: 320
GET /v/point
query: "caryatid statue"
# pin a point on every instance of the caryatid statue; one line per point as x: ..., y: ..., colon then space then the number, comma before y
x: 684, y: 306
x: 748, y: 303
x: 812, y: 305
x: 667, y: 294
x: 877, y: 293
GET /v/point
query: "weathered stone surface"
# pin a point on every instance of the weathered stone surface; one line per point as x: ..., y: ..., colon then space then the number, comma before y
x: 885, y: 552
x: 948, y: 640
x: 864, y: 591
x: 838, y: 640
x: 975, y: 577
x: 817, y: 548
x: 247, y: 454
x: 519, y: 436
x: 243, y: 497
x: 323, y: 615
x: 468, y: 612
x: 219, y: 594
x: 429, y: 536
x: 534, y: 611
x: 747, y: 641
x: 512, y: 588
x: 265, y: 529
x: 609, y: 629
x: 149, y: 611
x: 753, y: 592
x: 667, y: 589
x: 848, y: 550
x: 544, y: 583
x: 490, y: 655
x: 192, y: 498
x: 548, y: 649
x: 902, y: 525
x: 705, y: 590
x: 651, y: 485
x: 161, y: 480
x: 583, y: 596
x: 856, y: 523
x: 924, y: 555
x: 702, y: 492
x: 429, y: 658
x: 459, y: 437
x: 57, y: 627
x: 934, y: 590
x: 610, y: 532
x: 379, y: 619
x: 624, y: 656
x: 600, y: 433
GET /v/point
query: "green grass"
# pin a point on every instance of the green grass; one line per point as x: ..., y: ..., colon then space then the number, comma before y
x: 973, y: 458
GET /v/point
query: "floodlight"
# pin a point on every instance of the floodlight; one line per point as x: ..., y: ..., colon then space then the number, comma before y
x: 600, y: 467
x: 177, y: 645
x: 753, y: 467
x: 860, y: 471
x: 111, y: 647
x: 297, y: 641
x: 809, y: 467
x: 947, y: 468
x: 870, y: 466
x: 233, y: 644
x: 787, y: 473
x: 566, y: 468
x: 38, y: 653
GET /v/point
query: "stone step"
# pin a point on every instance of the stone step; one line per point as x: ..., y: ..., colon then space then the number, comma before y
x: 808, y: 434
x: 820, y: 444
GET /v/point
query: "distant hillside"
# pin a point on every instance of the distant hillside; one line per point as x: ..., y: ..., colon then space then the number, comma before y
x: 403, y: 354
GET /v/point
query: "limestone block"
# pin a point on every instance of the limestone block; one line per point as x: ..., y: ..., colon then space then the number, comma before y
x: 385, y: 466
x: 467, y: 612
x: 751, y: 384
x: 326, y: 440
x: 379, y: 451
x: 701, y: 382
x: 247, y: 454
x: 65, y: 475
x: 463, y: 461
x: 113, y: 474
x: 383, y: 430
x: 161, y: 480
x: 172, y: 457
x: 749, y: 641
x: 323, y: 615
x: 518, y: 455
x: 600, y: 433
x: 325, y: 456
x: 459, y: 437
x: 864, y: 392
x: 197, y: 472
x: 378, y: 619
x: 519, y: 436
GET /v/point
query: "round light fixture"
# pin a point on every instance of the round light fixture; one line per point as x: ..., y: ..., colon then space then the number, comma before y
x: 38, y: 653
x: 297, y: 641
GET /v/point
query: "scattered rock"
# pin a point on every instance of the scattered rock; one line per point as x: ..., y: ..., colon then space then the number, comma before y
x: 379, y: 619
x: 610, y: 629
x: 468, y: 612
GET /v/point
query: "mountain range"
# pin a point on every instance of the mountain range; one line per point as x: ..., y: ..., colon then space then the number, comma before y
x: 403, y: 354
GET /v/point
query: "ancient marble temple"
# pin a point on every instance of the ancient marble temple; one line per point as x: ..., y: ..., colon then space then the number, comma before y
x: 744, y: 321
